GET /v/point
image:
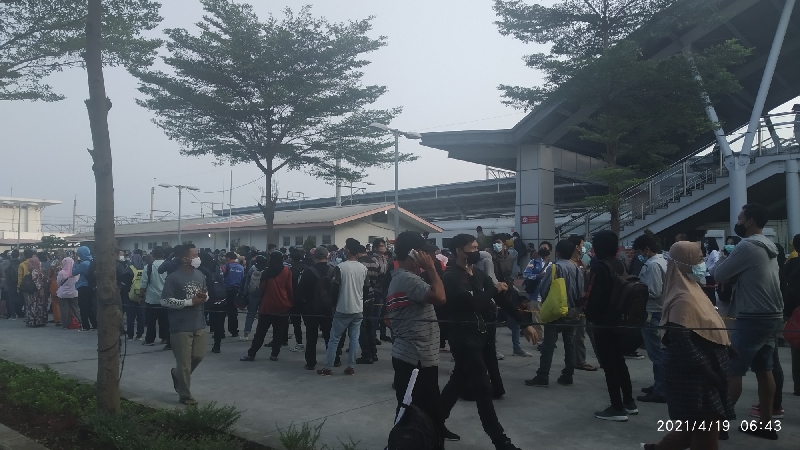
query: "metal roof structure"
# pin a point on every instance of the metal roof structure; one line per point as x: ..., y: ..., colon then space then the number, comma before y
x: 289, y: 219
x: 752, y: 22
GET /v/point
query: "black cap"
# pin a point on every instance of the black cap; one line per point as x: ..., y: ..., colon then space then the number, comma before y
x: 408, y: 240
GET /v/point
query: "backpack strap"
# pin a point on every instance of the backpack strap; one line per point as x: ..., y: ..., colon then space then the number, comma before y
x: 314, y: 270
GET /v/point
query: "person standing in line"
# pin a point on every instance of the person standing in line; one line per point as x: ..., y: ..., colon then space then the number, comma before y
x: 36, y: 302
x: 185, y: 295
x: 410, y: 305
x: 610, y: 345
x: 581, y: 331
x: 469, y: 296
x: 233, y: 273
x: 349, y: 280
x: 134, y: 314
x: 52, y: 274
x: 86, y: 287
x: 532, y: 280
x: 276, y: 283
x: 316, y: 287
x: 297, y: 266
x: 791, y: 301
x: 652, y: 274
x: 757, y: 305
x: 573, y: 279
x: 254, y: 293
x: 67, y: 294
x: 382, y: 260
x: 712, y: 254
x: 153, y: 283
x: 697, y: 347
x: 366, y: 339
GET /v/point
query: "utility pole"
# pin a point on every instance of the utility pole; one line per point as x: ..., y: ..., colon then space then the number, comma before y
x: 230, y: 210
x: 75, y: 213
x: 338, y: 181
x: 153, y: 200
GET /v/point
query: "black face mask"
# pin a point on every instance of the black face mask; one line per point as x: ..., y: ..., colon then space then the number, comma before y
x: 473, y: 257
x: 544, y: 253
x: 740, y: 230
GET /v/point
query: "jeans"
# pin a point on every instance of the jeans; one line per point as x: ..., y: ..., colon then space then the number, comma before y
x: 313, y: 326
x: 232, y: 311
x: 611, y: 355
x: 134, y: 315
x: 551, y: 332
x: 69, y: 309
x: 156, y: 314
x: 87, y: 303
x: 515, y: 330
x: 367, y: 336
x: 264, y: 322
x: 253, y: 303
x: 425, y: 395
x: 652, y: 342
x: 471, y: 375
x: 341, y: 323
x: 189, y: 349
x: 580, y: 342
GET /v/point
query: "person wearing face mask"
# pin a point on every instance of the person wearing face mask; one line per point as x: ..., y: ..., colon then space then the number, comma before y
x: 134, y: 314
x: 581, y: 331
x: 185, y: 295
x: 711, y: 250
x: 502, y: 260
x: 652, y: 274
x: 469, y: 301
x: 757, y: 304
x: 532, y: 278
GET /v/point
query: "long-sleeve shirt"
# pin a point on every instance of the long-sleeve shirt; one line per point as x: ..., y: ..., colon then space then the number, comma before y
x: 180, y: 288
x: 711, y: 261
x: 598, y: 303
x: 278, y: 293
x: 154, y: 283
x: 573, y: 279
x: 22, y: 270
x: 652, y: 275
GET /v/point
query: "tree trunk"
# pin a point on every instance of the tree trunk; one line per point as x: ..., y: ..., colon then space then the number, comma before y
x: 268, y: 208
x: 109, y: 308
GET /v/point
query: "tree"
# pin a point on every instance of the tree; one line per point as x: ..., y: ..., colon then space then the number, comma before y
x: 645, y: 109
x: 277, y: 94
x: 52, y: 242
x: 40, y: 37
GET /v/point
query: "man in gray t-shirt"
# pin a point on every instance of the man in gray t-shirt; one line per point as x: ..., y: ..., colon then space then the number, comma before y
x: 185, y: 294
x: 415, y: 333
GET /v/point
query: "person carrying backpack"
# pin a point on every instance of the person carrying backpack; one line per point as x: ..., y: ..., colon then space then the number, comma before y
x: 233, y: 272
x: 134, y: 314
x: 217, y: 297
x: 253, y: 292
x: 86, y: 285
x: 315, y: 288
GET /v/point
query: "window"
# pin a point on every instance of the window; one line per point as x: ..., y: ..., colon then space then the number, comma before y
x: 150, y: 245
x: 298, y: 241
x: 326, y: 239
x: 381, y: 217
x: 165, y: 244
x: 287, y: 241
x: 136, y: 246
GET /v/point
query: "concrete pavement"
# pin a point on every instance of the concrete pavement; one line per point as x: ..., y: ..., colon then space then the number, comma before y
x: 274, y: 394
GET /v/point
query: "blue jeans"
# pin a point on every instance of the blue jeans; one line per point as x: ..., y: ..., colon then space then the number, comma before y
x: 514, y: 327
x: 253, y: 302
x: 551, y: 332
x: 652, y: 342
x: 342, y: 322
x: 134, y: 313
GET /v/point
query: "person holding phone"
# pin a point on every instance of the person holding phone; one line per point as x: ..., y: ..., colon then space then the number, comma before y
x: 185, y: 295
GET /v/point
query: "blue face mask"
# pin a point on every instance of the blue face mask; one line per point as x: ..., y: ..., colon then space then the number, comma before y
x: 642, y: 259
x: 498, y: 247
x: 729, y: 248
x: 699, y: 273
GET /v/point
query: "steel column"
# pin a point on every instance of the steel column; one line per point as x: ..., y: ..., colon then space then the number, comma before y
x: 793, y: 197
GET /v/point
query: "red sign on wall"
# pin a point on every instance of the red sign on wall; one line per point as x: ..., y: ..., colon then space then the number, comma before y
x: 526, y: 220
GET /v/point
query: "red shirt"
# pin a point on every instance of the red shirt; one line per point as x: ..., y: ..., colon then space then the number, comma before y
x: 278, y: 293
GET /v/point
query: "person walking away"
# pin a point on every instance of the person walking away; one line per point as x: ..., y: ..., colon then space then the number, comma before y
x: 155, y: 315
x: 276, y: 283
x: 316, y: 288
x: 469, y: 298
x: 86, y: 286
x: 410, y: 305
x: 254, y: 293
x: 132, y: 309
x: 295, y: 313
x: 712, y: 257
x: 233, y: 273
x: 217, y: 297
x: 349, y: 280
x: 36, y: 301
x: 67, y: 293
x: 610, y: 344
x: 366, y: 339
x: 185, y: 295
x: 757, y: 305
x: 697, y: 347
x: 573, y: 279
x: 652, y: 275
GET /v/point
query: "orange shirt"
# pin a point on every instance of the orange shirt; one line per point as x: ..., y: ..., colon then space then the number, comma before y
x: 278, y: 293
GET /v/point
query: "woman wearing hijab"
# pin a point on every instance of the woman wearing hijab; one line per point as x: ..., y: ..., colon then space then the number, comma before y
x: 52, y: 272
x: 36, y: 303
x: 67, y: 293
x: 276, y: 283
x: 697, y: 356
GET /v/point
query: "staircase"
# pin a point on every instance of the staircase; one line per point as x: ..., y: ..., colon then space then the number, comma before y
x: 693, y: 184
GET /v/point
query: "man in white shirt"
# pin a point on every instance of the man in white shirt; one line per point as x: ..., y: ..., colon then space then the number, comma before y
x: 349, y: 280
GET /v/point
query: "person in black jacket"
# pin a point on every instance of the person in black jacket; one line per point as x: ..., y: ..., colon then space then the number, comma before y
x: 317, y: 315
x: 610, y: 348
x: 469, y: 294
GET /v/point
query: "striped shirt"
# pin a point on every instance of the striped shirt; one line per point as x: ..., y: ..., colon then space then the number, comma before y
x: 414, y: 327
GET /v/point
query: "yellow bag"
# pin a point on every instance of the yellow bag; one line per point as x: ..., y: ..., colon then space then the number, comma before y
x: 555, y: 306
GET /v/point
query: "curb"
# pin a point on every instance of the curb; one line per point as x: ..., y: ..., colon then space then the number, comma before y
x: 11, y: 440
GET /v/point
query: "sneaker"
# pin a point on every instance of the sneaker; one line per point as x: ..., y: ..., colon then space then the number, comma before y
x: 137, y: 338
x: 616, y: 415
x: 297, y: 348
x: 215, y: 349
x: 450, y: 436
x: 634, y: 355
x: 80, y: 330
x: 499, y: 355
x: 652, y: 398
x: 506, y: 444
x: 378, y: 342
x: 246, y: 337
x: 649, y: 390
x: 163, y: 341
x: 538, y: 381
x: 777, y: 413
x: 324, y: 372
x: 149, y: 344
x: 309, y: 367
x: 631, y: 408
x: 349, y: 371
x: 364, y: 361
x: 564, y: 380
x: 247, y: 358
x: 521, y: 352
x: 386, y: 339
x: 273, y: 358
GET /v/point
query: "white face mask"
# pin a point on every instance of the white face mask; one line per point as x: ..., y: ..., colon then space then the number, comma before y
x: 498, y: 247
x: 121, y: 258
x: 196, y: 262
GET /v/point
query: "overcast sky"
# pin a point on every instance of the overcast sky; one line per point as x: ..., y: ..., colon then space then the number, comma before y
x: 443, y: 63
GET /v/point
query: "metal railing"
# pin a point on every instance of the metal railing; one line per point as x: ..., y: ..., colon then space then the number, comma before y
x: 689, y: 174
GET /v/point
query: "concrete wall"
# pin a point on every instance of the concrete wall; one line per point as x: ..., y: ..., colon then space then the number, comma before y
x: 31, y: 220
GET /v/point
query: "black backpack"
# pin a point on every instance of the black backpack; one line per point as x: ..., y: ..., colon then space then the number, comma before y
x: 91, y: 276
x: 415, y: 431
x: 27, y: 286
x: 323, y: 291
x: 629, y: 298
x: 215, y: 284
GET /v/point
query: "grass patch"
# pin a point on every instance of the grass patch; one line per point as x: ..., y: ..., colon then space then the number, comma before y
x: 307, y: 436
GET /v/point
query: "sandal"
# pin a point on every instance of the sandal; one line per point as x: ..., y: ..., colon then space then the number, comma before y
x: 586, y: 367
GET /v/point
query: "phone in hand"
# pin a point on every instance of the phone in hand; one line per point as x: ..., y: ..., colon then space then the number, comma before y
x: 413, y: 254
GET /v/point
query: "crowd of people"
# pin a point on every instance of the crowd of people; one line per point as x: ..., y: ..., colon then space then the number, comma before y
x: 426, y: 301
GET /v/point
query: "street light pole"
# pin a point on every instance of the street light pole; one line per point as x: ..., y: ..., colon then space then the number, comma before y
x: 396, y: 184
x: 180, y: 204
x: 19, y: 224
